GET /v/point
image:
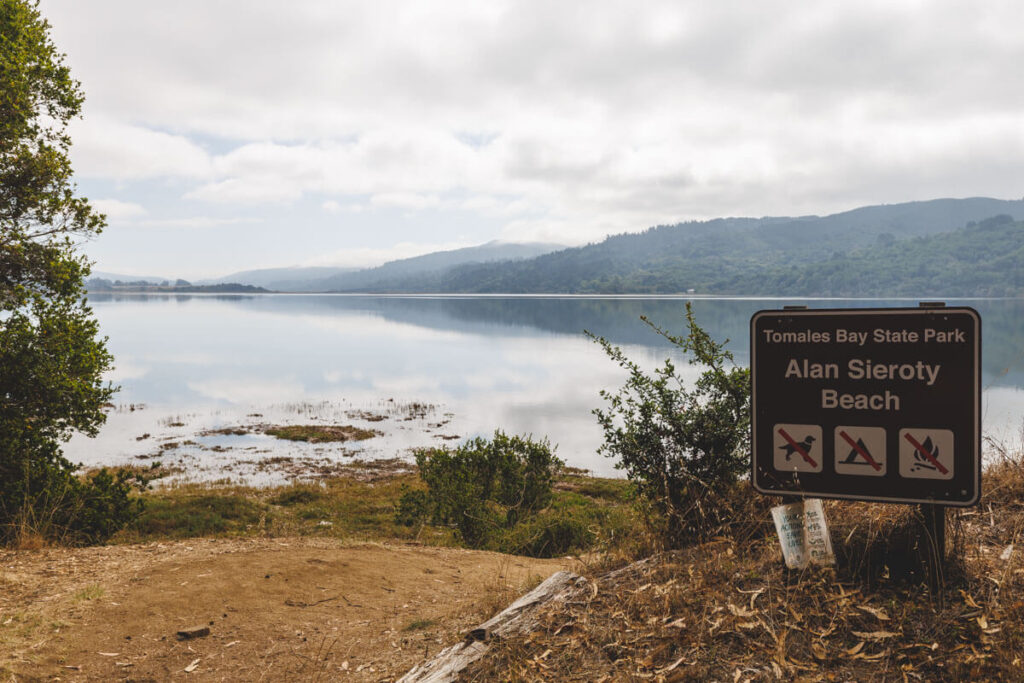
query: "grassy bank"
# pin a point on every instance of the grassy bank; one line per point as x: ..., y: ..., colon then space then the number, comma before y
x: 360, y: 503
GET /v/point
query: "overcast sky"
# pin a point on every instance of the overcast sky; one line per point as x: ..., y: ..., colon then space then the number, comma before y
x: 227, y: 135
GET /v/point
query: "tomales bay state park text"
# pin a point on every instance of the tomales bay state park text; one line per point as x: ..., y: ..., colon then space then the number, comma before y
x: 863, y: 368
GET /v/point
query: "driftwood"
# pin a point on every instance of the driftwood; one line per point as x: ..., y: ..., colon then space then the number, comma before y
x: 519, y: 617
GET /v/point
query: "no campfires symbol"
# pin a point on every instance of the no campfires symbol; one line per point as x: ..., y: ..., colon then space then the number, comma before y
x: 926, y: 453
x: 797, y: 448
x: 860, y: 450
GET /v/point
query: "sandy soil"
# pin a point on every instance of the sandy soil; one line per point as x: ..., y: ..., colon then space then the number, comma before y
x: 276, y: 609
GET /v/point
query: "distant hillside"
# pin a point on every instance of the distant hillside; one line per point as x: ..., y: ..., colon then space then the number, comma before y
x: 151, y: 279
x: 297, y: 279
x: 102, y: 285
x: 430, y: 265
x: 749, y: 256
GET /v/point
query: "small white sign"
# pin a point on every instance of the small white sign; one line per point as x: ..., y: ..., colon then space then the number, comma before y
x: 803, y: 533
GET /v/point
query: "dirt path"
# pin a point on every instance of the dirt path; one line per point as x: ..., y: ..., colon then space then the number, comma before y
x: 277, y: 609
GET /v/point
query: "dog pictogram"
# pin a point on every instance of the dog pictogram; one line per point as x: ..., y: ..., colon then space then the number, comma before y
x: 797, y: 448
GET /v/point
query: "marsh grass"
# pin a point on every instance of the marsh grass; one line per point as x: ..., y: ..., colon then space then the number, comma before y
x: 359, y: 502
x: 190, y: 511
x: 322, y: 433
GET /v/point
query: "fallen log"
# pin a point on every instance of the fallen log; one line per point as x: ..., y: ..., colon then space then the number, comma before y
x: 519, y: 617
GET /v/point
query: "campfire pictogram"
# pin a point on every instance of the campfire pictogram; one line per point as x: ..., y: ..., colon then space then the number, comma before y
x: 922, y: 462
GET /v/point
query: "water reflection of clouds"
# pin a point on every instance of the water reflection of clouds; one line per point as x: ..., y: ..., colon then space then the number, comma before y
x: 1002, y: 415
x: 351, y: 326
x: 407, y: 386
x: 535, y: 373
x: 249, y: 390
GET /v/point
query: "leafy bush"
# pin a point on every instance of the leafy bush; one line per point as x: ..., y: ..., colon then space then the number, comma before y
x: 413, y: 507
x: 550, y: 533
x: 682, y: 447
x: 481, y: 486
x: 107, y: 505
x: 72, y: 510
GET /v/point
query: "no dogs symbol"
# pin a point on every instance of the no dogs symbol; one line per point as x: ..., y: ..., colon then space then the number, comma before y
x: 798, y: 448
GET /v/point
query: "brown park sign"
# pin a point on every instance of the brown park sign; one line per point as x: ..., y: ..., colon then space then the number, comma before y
x: 876, y: 404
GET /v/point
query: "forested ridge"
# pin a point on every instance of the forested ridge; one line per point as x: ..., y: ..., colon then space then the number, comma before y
x: 967, y: 247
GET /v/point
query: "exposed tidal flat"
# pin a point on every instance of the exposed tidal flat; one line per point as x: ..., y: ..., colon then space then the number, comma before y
x: 205, y: 377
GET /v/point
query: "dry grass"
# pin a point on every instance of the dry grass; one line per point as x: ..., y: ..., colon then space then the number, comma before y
x: 728, y: 609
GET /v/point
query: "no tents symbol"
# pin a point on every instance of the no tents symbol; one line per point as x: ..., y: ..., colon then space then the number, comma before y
x: 860, y: 450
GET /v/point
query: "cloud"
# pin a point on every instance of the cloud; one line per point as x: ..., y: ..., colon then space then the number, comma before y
x: 246, y: 191
x: 579, y: 118
x: 116, y: 210
x: 194, y: 222
x: 105, y: 148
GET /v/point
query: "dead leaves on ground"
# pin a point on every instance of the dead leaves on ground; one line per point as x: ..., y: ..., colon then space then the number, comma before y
x: 708, y: 613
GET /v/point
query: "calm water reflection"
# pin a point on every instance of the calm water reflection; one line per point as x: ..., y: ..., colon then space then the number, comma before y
x: 521, y: 364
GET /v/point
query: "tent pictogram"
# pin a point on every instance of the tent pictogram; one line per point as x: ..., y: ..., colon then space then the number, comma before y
x: 798, y: 448
x: 926, y: 453
x: 860, y: 451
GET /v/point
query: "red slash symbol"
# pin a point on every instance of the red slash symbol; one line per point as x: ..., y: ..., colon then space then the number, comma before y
x: 924, y: 451
x: 862, y: 451
x: 798, y: 448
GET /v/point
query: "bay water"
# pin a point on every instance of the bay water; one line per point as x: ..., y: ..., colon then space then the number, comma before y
x: 202, y: 376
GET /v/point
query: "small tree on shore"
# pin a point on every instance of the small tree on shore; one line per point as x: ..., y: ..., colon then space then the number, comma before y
x: 51, y: 358
x: 483, y: 486
x: 683, y: 447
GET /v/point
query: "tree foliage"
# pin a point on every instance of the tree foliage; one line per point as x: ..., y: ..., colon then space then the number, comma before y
x: 682, y: 447
x: 51, y: 357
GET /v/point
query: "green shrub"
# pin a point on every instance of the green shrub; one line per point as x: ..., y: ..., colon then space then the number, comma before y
x: 413, y: 506
x: 611, y: 490
x: 106, y: 505
x: 70, y: 509
x: 549, y: 534
x: 481, y: 486
x: 572, y: 523
x: 681, y: 447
